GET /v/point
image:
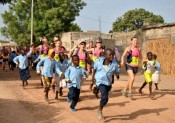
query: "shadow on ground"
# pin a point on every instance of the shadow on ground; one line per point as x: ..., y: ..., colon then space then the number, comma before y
x: 13, y: 111
x: 135, y: 114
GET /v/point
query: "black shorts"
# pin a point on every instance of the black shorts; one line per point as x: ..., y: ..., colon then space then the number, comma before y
x: 5, y: 60
x: 134, y: 69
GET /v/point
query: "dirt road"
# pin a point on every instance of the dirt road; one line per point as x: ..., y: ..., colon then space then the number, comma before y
x: 18, y: 105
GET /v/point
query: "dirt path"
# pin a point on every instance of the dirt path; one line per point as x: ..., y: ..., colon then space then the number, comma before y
x: 18, y: 105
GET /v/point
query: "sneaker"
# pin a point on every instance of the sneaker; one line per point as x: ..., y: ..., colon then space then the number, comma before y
x: 100, y: 115
x: 68, y: 100
x: 124, y: 93
x: 73, y: 109
x: 130, y: 95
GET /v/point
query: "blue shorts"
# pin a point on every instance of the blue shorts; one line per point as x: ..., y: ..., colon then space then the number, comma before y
x: 134, y: 69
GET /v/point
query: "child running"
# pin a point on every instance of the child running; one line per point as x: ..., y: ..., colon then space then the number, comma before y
x: 5, y: 55
x: 49, y: 65
x: 43, y: 55
x: 60, y: 82
x: 96, y: 89
x: 23, y: 65
x: 103, y: 71
x: 148, y: 67
x: 156, y: 74
x: 74, y: 76
x: 12, y: 65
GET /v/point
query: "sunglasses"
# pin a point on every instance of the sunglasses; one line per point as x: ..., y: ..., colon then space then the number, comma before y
x: 82, y: 44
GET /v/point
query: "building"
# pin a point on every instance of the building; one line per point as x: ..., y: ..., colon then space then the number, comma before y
x: 13, y: 45
x: 72, y: 39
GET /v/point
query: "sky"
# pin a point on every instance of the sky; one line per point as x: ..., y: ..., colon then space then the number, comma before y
x: 109, y: 10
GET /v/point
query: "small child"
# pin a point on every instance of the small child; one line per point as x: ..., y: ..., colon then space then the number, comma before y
x: 148, y: 67
x: 12, y: 65
x: 39, y: 58
x: 60, y: 82
x: 104, y: 69
x: 74, y: 76
x: 96, y: 89
x: 34, y: 57
x: 23, y: 64
x: 49, y: 65
x: 156, y: 74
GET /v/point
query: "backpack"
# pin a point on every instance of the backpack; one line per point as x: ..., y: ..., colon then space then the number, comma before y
x: 129, y: 56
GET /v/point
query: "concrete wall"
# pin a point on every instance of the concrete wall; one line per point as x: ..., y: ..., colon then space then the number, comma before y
x: 149, y: 37
x: 71, y: 39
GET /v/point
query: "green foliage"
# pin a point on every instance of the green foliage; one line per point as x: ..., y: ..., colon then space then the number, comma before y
x: 5, y: 1
x: 134, y: 19
x: 51, y: 17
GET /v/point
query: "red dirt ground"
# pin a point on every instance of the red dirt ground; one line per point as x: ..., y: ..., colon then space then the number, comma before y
x: 18, y: 105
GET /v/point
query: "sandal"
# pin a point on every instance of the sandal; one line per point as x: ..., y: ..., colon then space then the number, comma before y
x: 130, y: 95
x: 124, y: 93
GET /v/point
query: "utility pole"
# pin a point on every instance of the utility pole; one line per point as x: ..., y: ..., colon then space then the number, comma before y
x: 100, y: 26
x: 31, y: 39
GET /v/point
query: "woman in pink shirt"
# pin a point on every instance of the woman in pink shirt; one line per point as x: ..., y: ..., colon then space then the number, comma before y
x: 133, y: 54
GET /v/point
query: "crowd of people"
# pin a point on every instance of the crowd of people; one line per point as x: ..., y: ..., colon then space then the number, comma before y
x: 59, y: 68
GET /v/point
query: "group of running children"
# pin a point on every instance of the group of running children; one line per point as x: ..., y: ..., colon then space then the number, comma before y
x: 53, y: 65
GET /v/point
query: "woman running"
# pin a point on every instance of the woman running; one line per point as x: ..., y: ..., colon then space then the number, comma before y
x: 133, y: 54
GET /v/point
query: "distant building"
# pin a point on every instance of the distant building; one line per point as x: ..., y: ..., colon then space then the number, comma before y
x: 13, y: 45
x: 72, y: 39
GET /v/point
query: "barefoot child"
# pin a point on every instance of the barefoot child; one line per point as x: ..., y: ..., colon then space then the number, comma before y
x: 22, y: 62
x: 74, y: 76
x: 104, y: 69
x: 49, y: 65
x: 148, y: 67
x: 60, y: 82
x: 156, y: 74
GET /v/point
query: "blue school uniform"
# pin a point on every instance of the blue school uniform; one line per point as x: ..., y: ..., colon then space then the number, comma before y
x: 22, y: 60
x: 104, y: 78
x: 23, y: 65
x: 103, y: 73
x: 49, y: 67
x: 62, y: 66
x: 75, y: 74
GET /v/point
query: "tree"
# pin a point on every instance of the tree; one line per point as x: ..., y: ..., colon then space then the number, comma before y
x: 51, y: 17
x: 75, y: 27
x: 134, y: 19
x: 5, y: 1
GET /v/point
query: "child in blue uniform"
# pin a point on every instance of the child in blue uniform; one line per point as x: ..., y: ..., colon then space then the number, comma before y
x: 104, y: 69
x: 156, y: 74
x: 74, y: 76
x: 49, y: 65
x: 22, y: 62
x: 63, y: 65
